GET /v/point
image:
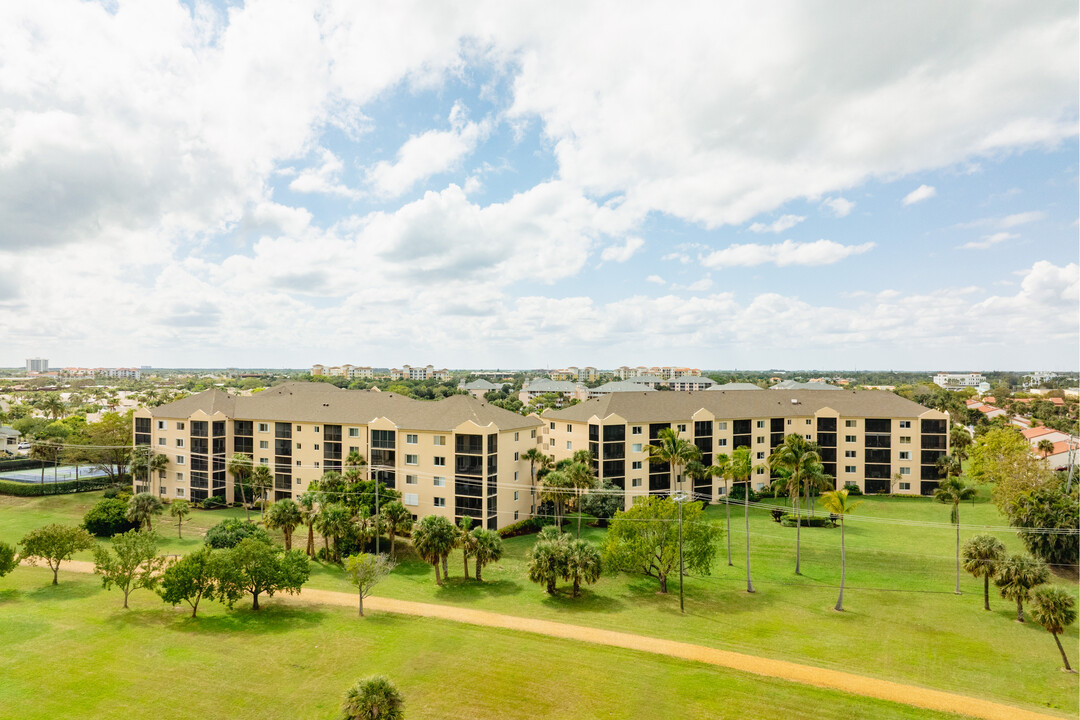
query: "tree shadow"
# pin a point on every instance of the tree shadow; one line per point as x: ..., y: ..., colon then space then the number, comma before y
x: 9, y: 595
x: 68, y: 590
x: 271, y: 618
x: 459, y: 588
x: 587, y: 601
x: 412, y: 568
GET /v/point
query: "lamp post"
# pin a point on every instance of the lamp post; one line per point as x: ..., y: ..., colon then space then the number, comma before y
x: 680, y: 497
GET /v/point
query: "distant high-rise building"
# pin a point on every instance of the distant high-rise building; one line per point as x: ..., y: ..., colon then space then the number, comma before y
x: 37, y: 365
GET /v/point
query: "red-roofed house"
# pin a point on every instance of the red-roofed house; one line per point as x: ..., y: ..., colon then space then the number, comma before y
x: 1058, y: 459
x: 1035, y: 434
x: 991, y: 412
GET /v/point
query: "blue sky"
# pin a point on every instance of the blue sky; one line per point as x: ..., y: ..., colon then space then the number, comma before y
x: 274, y: 184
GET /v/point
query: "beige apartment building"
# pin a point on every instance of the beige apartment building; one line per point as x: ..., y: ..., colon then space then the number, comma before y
x: 876, y: 440
x: 455, y: 457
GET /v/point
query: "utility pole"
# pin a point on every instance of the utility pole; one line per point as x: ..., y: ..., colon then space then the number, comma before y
x: 680, y: 498
x: 378, y: 517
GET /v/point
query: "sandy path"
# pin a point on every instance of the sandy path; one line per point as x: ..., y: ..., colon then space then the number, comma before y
x: 781, y: 669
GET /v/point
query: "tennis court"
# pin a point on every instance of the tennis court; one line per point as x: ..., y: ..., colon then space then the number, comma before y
x: 63, y: 473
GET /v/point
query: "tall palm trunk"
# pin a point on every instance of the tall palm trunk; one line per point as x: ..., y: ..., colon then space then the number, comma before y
x: 465, y: 557
x: 843, y: 568
x: 798, y: 535
x: 445, y: 569
x: 727, y: 512
x: 1019, y: 609
x: 986, y: 592
x: 956, y: 520
x: 746, y: 517
x: 438, y: 577
x: 310, y: 540
x: 1064, y: 658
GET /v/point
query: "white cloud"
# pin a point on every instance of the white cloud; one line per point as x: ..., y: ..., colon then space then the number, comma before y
x: 656, y: 279
x: 923, y: 192
x: 784, y: 222
x: 622, y: 253
x: 819, y: 252
x: 838, y: 206
x: 1023, y: 218
x: 326, y: 178
x: 988, y: 240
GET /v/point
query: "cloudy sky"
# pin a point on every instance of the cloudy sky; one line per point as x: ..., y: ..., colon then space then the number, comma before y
x: 725, y: 185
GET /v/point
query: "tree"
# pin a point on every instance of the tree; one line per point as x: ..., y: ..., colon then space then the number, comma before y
x: 262, y: 481
x: 546, y: 561
x: 53, y: 406
x: 674, y: 451
x: 580, y: 477
x: 229, y: 533
x: 285, y: 515
x: 1054, y: 608
x: 239, y: 466
x: 556, y: 487
x: 144, y: 463
x: 1036, y: 512
x: 179, y: 509
x: 108, y: 517
x: 433, y: 539
x: 373, y: 698
x: 309, y: 513
x: 799, y: 458
x: 488, y: 548
x: 467, y: 541
x: 365, y: 571
x: 582, y: 564
x: 54, y: 544
x: 719, y: 469
x: 334, y: 519
x: 953, y: 491
x: 605, y: 503
x: 960, y: 441
x: 110, y: 440
x: 1045, y: 447
x: 193, y: 577
x: 950, y: 466
x: 534, y: 457
x: 354, y: 461
x: 837, y: 503
x: 1017, y: 576
x: 143, y: 507
x: 1003, y: 458
x: 8, y: 560
x: 983, y: 555
x: 741, y: 467
x: 645, y: 539
x: 398, y: 520
x: 132, y: 564
x: 260, y: 568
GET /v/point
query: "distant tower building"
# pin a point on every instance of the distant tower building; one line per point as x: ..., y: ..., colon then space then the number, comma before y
x: 37, y: 365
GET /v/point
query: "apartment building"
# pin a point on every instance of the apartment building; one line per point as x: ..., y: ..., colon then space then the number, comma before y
x: 352, y: 372
x: 428, y: 372
x: 867, y: 438
x: 535, y: 387
x: 959, y: 381
x: 624, y: 372
x: 454, y: 457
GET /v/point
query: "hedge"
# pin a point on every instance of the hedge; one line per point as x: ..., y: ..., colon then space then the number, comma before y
x: 61, y: 488
x: 809, y: 521
x: 21, y: 464
x: 525, y: 527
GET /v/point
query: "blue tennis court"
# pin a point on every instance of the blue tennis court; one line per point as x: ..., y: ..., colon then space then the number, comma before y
x: 63, y: 473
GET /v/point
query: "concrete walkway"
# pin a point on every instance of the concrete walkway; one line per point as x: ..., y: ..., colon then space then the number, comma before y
x: 794, y: 672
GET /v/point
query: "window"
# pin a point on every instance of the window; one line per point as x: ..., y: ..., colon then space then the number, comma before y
x: 440, y: 502
x: 569, y: 428
x: 297, y: 428
x: 849, y: 468
x: 905, y: 454
x: 551, y: 442
x: 849, y: 438
x: 411, y: 439
x: 850, y: 454
x: 515, y: 494
x: 162, y: 425
x: 316, y: 428
x: 354, y: 432
x: 517, y: 456
x: 515, y: 514
x: 635, y: 465
x: 264, y: 427
x: 412, y: 460
x: 179, y: 442
x: 849, y: 423
x: 297, y: 463
x: 515, y: 476
x: 552, y: 426
x: 161, y: 490
x: 636, y: 482
x: 721, y: 490
x: 316, y: 463
x: 569, y: 445
x: 297, y: 446
x: 264, y: 444
x: 905, y: 424
x: 179, y: 426
x: 179, y: 459
x: 761, y: 456
x: 760, y: 424
x: 761, y: 439
x: 316, y: 446
x: 410, y: 479
x: 682, y: 428
x: 905, y: 439
x: 636, y: 430
x: 179, y: 492
x: 807, y: 421
x: 440, y: 439
x: 353, y: 449
x: 789, y: 421
x: 722, y: 442
x: 179, y: 477
x: 440, y: 461
x: 298, y: 481
x: 532, y: 434
x: 161, y: 474
x: 264, y: 461
x: 516, y: 436
x: 905, y: 471
x: 637, y: 447
x: 162, y: 441
x: 905, y: 486
x: 809, y: 436
x: 439, y: 481
x: 721, y: 425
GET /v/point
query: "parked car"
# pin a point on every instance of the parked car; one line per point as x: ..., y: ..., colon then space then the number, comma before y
x: 24, y: 446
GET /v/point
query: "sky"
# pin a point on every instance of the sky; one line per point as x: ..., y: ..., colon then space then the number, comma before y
x: 280, y: 183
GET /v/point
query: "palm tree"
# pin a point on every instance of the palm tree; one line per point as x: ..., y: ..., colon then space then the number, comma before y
x: 144, y: 463
x: 837, y: 503
x: 356, y: 463
x: 142, y: 508
x: 239, y: 467
x: 534, y: 456
x: 53, y: 407
x: 262, y: 480
x: 556, y: 486
x: 373, y: 698
x: 1017, y: 576
x: 950, y: 466
x: 953, y: 491
x: 1045, y: 447
x: 285, y: 516
x: 336, y: 519
x: 983, y: 555
x: 489, y: 549
x: 675, y: 451
x: 433, y: 539
x: 800, y: 459
x: 582, y: 564
x: 1054, y: 609
x: 179, y: 509
x: 580, y: 477
x: 398, y: 520
x: 467, y: 541
x: 740, y: 468
x: 308, y: 505
x: 720, y: 469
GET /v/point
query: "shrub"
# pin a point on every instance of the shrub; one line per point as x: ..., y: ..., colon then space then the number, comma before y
x: 19, y: 489
x: 808, y: 521
x: 777, y: 514
x: 118, y: 492
x: 853, y: 490
x: 108, y: 517
x: 525, y: 527
x: 738, y: 492
x: 229, y: 533
x: 214, y: 502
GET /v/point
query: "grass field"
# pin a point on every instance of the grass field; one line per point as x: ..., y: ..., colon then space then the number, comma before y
x: 71, y: 651
x: 903, y: 621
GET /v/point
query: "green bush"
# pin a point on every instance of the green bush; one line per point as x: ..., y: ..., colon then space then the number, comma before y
x: 808, y: 521
x: 525, y: 527
x: 118, y: 492
x: 738, y: 492
x: 214, y: 502
x: 853, y: 490
x: 19, y: 489
x: 229, y: 533
x: 107, y: 518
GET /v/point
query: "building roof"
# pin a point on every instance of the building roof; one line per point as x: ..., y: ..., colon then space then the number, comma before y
x: 793, y: 385
x: 675, y: 406
x: 736, y: 386
x: 987, y: 409
x: 543, y: 385
x: 622, y: 386
x: 1037, y: 432
x: 320, y: 402
x: 9, y: 432
x: 481, y: 385
x: 642, y: 379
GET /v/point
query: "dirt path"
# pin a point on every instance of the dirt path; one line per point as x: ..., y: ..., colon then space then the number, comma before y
x: 781, y: 669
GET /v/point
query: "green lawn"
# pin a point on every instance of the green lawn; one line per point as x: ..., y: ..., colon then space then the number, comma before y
x: 903, y: 621
x: 71, y: 651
